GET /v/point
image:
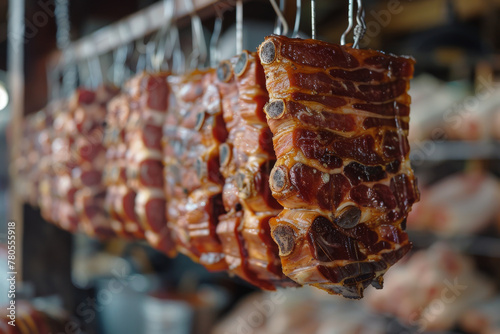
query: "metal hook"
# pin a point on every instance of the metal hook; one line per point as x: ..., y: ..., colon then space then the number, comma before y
x: 150, y: 54
x: 69, y: 75
x: 53, y: 83
x: 297, y: 19
x: 141, y: 48
x: 175, y: 51
x: 95, y: 71
x: 119, y: 61
x: 160, y: 38
x: 360, y: 28
x: 199, y: 52
x: 214, y: 40
x: 281, y: 18
x: 313, y: 19
x: 239, y: 26
x: 350, y: 20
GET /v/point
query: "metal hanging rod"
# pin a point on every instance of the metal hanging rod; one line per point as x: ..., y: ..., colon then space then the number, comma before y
x: 136, y: 26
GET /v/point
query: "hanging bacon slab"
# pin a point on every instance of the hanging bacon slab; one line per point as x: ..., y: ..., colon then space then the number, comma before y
x: 120, y: 198
x: 148, y: 102
x: 246, y: 161
x: 193, y: 132
x: 48, y: 198
x: 86, y: 159
x: 61, y: 165
x: 339, y: 117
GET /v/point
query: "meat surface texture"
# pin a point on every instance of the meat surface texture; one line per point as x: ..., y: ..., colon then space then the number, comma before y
x: 120, y: 198
x: 339, y: 118
x: 193, y: 131
x: 148, y: 96
x: 246, y: 159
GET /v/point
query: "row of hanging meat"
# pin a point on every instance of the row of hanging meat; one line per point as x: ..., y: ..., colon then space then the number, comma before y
x: 304, y: 143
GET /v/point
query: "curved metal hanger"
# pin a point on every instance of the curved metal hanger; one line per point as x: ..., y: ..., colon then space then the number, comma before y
x: 198, y: 55
x: 282, y: 27
x: 296, y: 25
x: 141, y: 48
x: 360, y: 28
x: 95, y: 71
x: 239, y: 26
x: 53, y: 83
x: 162, y: 36
x: 120, y: 55
x: 313, y: 19
x: 214, y: 40
x: 69, y: 74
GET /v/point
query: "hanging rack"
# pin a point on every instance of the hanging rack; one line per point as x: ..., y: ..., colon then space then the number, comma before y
x: 138, y: 25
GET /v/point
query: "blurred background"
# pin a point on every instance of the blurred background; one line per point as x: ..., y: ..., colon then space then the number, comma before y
x: 449, y: 283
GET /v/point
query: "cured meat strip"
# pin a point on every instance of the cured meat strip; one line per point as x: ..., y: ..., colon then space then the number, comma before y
x: 89, y: 158
x: 148, y: 101
x: 48, y: 199
x: 339, y: 120
x: 193, y: 132
x: 120, y: 198
x: 58, y: 185
x: 246, y: 160
x: 82, y: 158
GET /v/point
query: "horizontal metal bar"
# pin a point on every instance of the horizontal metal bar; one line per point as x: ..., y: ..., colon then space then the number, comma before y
x: 136, y: 26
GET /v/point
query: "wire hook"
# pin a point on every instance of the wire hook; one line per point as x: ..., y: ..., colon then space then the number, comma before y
x: 214, y: 40
x: 199, y: 52
x: 297, y: 19
x: 175, y: 50
x: 360, y: 28
x: 239, y: 26
x: 160, y: 38
x: 313, y: 19
x: 281, y: 18
x: 141, y: 48
x: 350, y: 18
x: 95, y: 71
x: 119, y: 61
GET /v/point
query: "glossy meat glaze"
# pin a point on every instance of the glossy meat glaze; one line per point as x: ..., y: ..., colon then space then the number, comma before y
x: 285, y: 167
x: 339, y: 118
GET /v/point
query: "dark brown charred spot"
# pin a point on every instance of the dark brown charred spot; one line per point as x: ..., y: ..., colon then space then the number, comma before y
x: 351, y: 270
x: 330, y: 244
x: 267, y: 52
x: 395, y: 145
x: 404, y: 192
x: 285, y: 238
x: 275, y: 109
x: 241, y: 63
x: 359, y: 279
x: 393, y: 166
x: 403, y: 224
x: 348, y: 217
x: 224, y: 154
x: 200, y: 120
x: 224, y: 72
x: 358, y: 173
x: 279, y: 178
